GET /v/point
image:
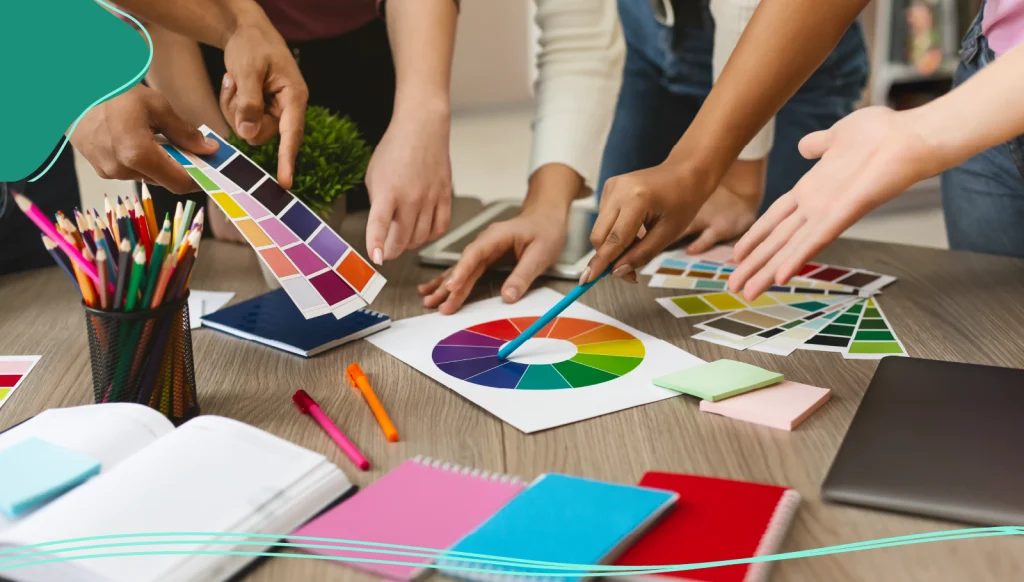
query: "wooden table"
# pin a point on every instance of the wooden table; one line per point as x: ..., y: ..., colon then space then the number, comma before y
x: 946, y: 305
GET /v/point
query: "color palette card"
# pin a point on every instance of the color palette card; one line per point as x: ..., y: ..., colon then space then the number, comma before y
x: 788, y: 341
x: 714, y: 520
x: 837, y: 335
x: 783, y: 406
x: 422, y: 503
x: 768, y: 322
x: 874, y: 337
x: 13, y: 370
x: 718, y: 380
x: 563, y: 519
x: 717, y: 254
x: 319, y: 270
x: 866, y: 282
x: 724, y: 302
x: 40, y: 472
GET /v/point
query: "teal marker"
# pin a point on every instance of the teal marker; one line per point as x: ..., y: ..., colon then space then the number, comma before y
x: 545, y: 319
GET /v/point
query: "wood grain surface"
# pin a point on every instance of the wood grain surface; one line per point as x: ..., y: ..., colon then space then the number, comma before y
x: 945, y: 305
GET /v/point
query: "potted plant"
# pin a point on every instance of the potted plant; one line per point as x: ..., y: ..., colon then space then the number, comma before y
x: 332, y: 160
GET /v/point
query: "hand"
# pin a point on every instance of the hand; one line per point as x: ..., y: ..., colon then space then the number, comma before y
x: 263, y: 92
x: 661, y: 200
x: 732, y: 208
x: 221, y: 226
x: 116, y: 137
x: 409, y: 180
x: 867, y: 158
x: 536, y: 237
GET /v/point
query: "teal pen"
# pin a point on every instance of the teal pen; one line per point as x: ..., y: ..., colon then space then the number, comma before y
x: 545, y: 319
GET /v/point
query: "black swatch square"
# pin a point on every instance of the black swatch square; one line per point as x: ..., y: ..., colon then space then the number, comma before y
x: 827, y: 340
x: 243, y: 172
x: 273, y: 196
x: 733, y: 327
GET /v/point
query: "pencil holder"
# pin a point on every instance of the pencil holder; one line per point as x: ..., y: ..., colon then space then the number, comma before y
x: 144, y: 357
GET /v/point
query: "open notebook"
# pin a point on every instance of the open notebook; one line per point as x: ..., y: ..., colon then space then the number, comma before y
x: 211, y: 474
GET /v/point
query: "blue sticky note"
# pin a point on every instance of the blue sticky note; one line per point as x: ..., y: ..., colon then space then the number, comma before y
x: 37, y: 472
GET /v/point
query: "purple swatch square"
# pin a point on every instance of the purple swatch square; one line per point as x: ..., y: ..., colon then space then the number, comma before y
x: 445, y: 354
x: 301, y: 220
x: 468, y: 368
x: 255, y: 209
x: 281, y: 236
x: 332, y: 288
x: 328, y: 245
x: 471, y: 338
x: 305, y: 260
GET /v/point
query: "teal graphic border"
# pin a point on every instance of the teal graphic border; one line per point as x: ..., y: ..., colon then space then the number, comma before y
x: 458, y: 561
x: 134, y: 81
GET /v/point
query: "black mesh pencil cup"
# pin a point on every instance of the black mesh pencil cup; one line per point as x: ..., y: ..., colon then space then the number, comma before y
x: 144, y: 357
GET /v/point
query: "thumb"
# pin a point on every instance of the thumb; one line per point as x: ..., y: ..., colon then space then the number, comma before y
x: 705, y: 241
x: 248, y: 99
x: 532, y: 264
x: 178, y: 131
x: 814, y: 145
x: 381, y: 213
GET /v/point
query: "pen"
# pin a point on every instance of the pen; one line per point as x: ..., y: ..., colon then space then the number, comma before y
x: 545, y: 319
x: 358, y: 379
x: 308, y: 406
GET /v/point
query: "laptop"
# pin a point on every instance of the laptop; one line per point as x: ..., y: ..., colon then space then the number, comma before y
x: 936, y: 439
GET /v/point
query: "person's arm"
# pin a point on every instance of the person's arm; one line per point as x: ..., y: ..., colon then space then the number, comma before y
x: 785, y: 41
x: 870, y: 157
x: 409, y: 177
x: 579, y: 73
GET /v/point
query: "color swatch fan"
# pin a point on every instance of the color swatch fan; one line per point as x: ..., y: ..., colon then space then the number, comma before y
x: 584, y: 364
x: 319, y: 270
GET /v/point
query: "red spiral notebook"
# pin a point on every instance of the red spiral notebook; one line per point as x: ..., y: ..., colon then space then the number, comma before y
x: 714, y: 519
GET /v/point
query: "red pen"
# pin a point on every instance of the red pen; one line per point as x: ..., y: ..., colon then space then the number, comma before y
x: 308, y: 406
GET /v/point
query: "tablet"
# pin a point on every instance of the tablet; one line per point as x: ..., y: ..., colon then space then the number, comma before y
x: 575, y: 256
x: 936, y: 439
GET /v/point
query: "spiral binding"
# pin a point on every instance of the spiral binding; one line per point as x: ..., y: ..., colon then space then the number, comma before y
x: 778, y: 526
x: 376, y: 314
x: 469, y: 471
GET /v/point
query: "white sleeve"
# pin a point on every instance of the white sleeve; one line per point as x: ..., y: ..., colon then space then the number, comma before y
x: 579, y: 63
x: 731, y: 18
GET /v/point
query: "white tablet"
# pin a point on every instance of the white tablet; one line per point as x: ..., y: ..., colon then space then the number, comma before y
x: 575, y: 256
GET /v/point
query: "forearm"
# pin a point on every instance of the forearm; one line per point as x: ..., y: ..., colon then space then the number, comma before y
x: 422, y: 36
x: 179, y: 73
x: 984, y: 112
x: 208, y: 21
x: 785, y: 41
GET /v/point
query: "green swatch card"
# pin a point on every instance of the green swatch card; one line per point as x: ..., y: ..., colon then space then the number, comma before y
x: 718, y: 380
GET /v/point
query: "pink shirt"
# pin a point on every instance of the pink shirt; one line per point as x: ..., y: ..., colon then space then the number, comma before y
x: 1003, y: 24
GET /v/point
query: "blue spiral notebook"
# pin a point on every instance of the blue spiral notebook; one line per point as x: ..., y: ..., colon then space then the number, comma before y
x: 273, y: 320
x: 569, y: 520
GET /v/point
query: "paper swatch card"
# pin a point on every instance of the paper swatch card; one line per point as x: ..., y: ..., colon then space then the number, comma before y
x: 320, y: 271
x: 783, y: 406
x: 718, y: 380
x: 422, y: 503
x: 562, y: 519
x: 584, y: 364
x: 13, y: 370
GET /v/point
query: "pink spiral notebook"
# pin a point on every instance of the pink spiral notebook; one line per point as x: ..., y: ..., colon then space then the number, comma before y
x: 423, y: 503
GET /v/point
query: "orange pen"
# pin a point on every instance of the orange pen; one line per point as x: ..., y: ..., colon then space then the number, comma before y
x: 358, y: 379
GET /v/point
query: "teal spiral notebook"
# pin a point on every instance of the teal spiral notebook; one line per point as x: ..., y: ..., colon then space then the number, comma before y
x: 561, y: 519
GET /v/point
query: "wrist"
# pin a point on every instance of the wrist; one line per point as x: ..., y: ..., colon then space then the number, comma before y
x: 552, y: 189
x: 694, y: 177
x: 938, y: 139
x: 425, y: 106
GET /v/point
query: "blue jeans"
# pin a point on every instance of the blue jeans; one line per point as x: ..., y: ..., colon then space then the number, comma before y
x: 983, y: 198
x: 668, y: 75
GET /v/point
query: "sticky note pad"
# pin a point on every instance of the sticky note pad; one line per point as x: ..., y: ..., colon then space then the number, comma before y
x: 718, y: 380
x: 783, y: 406
x: 36, y: 472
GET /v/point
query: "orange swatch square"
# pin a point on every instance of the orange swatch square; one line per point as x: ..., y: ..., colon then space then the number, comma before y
x: 253, y: 233
x: 355, y: 271
x: 278, y: 263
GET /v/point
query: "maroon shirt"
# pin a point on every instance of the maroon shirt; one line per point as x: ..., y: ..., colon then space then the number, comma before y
x: 299, y: 20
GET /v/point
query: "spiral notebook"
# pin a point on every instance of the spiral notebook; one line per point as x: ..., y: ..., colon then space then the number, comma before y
x: 563, y: 519
x: 273, y: 320
x: 714, y: 519
x: 422, y: 503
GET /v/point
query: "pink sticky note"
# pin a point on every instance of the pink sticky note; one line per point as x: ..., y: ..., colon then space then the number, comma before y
x: 783, y: 406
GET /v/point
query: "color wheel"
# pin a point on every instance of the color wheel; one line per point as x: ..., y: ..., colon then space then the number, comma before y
x: 602, y: 353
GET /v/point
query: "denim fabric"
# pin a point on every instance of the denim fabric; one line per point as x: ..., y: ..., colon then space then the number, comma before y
x: 667, y: 76
x: 983, y: 198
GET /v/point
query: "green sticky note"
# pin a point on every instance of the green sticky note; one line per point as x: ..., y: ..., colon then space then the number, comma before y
x: 718, y: 380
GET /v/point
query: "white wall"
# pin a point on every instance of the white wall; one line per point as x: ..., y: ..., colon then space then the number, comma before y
x: 493, y: 55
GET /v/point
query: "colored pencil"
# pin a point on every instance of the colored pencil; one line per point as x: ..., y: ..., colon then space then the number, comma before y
x: 86, y: 285
x: 156, y: 261
x: 138, y: 268
x: 123, y: 267
x: 107, y: 210
x: 147, y: 206
x: 101, y: 268
x: 142, y: 227
x: 186, y: 217
x: 36, y: 216
x: 124, y: 225
x: 165, y: 276
x: 176, y: 226
x: 60, y: 258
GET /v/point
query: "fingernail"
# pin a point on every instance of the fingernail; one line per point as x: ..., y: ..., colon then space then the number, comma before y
x: 622, y: 271
x: 511, y: 293
x: 226, y: 82
x: 210, y: 142
x: 248, y: 129
x: 585, y: 276
x: 378, y: 256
